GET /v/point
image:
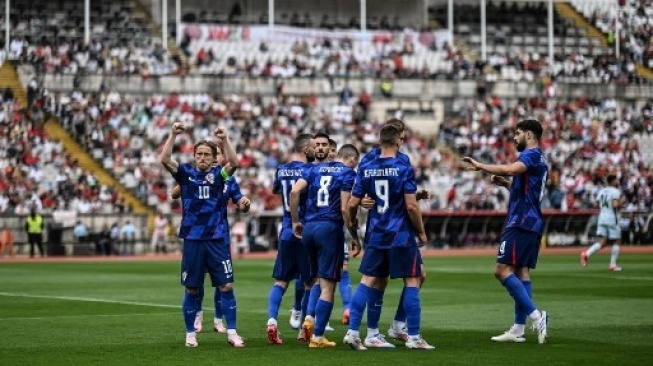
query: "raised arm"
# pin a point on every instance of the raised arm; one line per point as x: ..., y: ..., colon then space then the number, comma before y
x: 229, y: 151
x: 165, y: 157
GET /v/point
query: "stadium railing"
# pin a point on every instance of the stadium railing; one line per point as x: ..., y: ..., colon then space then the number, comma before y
x: 268, y: 86
x: 58, y: 236
x: 446, y: 229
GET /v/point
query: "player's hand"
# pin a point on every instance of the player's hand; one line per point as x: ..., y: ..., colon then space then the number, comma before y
x: 472, y: 162
x: 297, y: 228
x: 178, y: 128
x: 422, y: 240
x: 243, y: 204
x: 499, y: 180
x: 221, y: 133
x: 355, y: 248
x: 367, y: 203
x: 423, y: 195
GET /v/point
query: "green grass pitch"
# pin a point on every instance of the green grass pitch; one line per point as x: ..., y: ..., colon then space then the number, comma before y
x: 128, y: 313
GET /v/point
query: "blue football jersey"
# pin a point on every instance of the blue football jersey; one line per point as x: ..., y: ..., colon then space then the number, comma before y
x: 376, y: 152
x: 284, y: 180
x: 231, y: 191
x: 526, y: 192
x: 325, y: 183
x: 386, y: 181
x: 202, y: 196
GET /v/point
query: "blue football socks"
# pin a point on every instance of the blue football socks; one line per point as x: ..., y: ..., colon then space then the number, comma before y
x: 323, y: 313
x: 517, y: 290
x: 274, y: 300
x: 345, y: 289
x: 374, y: 305
x: 312, y: 299
x: 413, y: 310
x: 229, y: 308
x: 357, y: 306
x: 189, y: 309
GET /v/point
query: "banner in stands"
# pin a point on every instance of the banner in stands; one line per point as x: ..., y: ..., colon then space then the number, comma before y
x: 257, y: 33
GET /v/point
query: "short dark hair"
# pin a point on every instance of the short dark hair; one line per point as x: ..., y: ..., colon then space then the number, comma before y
x: 611, y: 178
x: 333, y: 143
x: 321, y: 135
x: 531, y: 125
x: 348, y: 151
x: 301, y: 141
x: 389, y: 135
x: 399, y: 124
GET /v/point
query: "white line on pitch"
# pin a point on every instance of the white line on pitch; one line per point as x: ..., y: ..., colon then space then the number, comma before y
x: 83, y: 316
x: 86, y: 299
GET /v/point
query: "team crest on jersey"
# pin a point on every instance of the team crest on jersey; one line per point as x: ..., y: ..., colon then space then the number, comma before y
x: 210, y: 178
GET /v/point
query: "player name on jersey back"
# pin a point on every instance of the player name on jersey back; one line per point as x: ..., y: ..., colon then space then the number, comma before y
x: 289, y: 173
x: 387, y: 172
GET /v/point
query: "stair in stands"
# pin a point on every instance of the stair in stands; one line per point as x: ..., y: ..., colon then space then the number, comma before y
x: 470, y: 55
x: 56, y: 132
x: 9, y: 78
x: 566, y: 11
x: 141, y: 12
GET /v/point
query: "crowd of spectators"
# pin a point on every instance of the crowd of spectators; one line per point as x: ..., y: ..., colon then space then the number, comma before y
x: 636, y: 27
x: 36, y: 172
x: 125, y: 132
x: 584, y: 140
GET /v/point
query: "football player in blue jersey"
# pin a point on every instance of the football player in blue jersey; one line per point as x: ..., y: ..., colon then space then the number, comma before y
x: 322, y: 153
x: 520, y: 243
x: 204, y: 249
x: 398, y: 328
x: 292, y: 260
x: 391, y: 248
x: 231, y: 192
x: 328, y: 187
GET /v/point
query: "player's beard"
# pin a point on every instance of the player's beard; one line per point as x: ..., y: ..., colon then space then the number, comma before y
x: 521, y: 144
x: 310, y: 157
x: 321, y: 156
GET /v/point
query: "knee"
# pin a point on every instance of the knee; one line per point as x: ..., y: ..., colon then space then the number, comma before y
x: 226, y: 287
x: 282, y: 284
x: 375, y: 282
x: 502, y: 271
x: 192, y: 290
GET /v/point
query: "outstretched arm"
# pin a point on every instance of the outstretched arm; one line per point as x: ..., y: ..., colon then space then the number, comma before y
x: 497, y: 169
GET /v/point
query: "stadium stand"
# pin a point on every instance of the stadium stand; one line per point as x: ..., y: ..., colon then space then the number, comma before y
x: 635, y: 25
x: 584, y: 141
x: 517, y: 44
x: 120, y: 132
x: 49, y: 35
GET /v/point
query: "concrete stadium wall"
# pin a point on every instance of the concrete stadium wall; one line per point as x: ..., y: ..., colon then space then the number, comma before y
x: 406, y: 88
